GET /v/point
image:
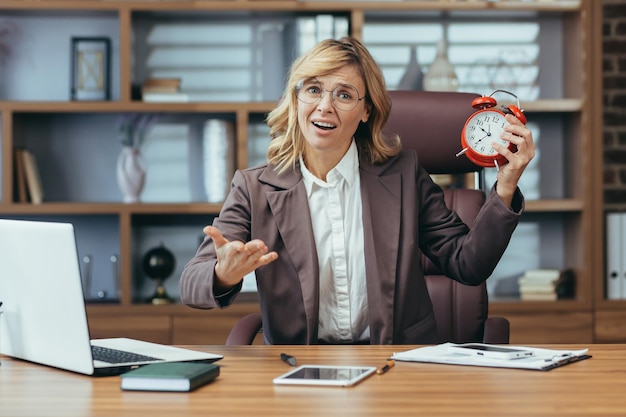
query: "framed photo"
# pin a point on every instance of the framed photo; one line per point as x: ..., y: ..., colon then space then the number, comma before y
x: 91, y: 69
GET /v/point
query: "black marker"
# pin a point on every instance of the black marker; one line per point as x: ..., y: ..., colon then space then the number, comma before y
x: 288, y: 358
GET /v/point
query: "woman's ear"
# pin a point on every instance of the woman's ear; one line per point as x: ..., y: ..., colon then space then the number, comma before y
x: 367, y: 113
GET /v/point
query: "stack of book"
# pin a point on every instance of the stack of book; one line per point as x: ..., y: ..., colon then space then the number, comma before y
x: 546, y: 284
x: 163, y: 90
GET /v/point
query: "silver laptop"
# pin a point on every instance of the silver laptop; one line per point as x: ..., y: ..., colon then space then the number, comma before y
x: 43, y: 317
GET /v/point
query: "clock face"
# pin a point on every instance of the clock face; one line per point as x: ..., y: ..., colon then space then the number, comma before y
x: 482, y: 129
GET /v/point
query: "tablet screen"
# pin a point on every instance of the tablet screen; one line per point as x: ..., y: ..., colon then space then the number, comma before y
x: 325, y: 375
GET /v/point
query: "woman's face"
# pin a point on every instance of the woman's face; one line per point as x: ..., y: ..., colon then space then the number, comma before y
x: 327, y: 129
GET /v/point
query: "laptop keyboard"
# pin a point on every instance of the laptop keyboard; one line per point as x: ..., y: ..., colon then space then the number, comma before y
x: 109, y: 355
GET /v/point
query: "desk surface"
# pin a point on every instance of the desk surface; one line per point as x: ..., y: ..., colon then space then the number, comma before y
x: 595, y: 387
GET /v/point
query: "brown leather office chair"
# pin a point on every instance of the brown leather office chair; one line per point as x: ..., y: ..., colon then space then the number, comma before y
x: 431, y: 123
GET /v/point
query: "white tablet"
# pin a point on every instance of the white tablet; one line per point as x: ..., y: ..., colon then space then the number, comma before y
x: 342, y: 376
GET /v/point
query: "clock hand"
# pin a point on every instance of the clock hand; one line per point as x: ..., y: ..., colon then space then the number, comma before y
x: 488, y: 132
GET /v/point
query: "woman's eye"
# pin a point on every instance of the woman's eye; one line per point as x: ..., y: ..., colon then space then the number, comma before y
x: 344, y: 95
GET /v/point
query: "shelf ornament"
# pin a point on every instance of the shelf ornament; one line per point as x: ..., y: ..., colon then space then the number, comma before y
x: 131, y: 166
x: 158, y: 264
x: 441, y: 75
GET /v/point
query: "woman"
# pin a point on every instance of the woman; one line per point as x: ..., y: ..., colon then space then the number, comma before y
x: 308, y: 222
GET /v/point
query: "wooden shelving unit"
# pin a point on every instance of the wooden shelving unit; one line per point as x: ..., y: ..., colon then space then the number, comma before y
x: 537, y: 322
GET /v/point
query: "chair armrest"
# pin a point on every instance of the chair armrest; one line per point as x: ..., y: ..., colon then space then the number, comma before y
x: 497, y: 330
x: 245, y: 330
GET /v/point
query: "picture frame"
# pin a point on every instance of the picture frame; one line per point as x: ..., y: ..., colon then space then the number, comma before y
x: 90, y: 68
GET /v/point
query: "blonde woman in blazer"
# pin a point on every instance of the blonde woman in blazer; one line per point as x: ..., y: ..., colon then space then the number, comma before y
x: 366, y: 290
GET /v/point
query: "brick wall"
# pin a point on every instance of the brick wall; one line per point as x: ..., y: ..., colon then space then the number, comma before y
x: 614, y: 100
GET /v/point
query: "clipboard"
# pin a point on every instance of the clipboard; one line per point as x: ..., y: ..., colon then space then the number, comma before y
x: 566, y: 360
x: 541, y: 360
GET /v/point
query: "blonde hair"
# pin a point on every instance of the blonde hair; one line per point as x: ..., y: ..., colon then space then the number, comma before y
x: 287, y: 142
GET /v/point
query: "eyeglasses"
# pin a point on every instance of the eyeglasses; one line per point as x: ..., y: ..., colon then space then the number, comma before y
x: 345, y: 97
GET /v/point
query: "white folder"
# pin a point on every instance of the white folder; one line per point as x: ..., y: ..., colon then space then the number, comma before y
x: 615, y: 231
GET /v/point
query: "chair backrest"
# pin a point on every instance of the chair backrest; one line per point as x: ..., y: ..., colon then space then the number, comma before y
x: 431, y: 123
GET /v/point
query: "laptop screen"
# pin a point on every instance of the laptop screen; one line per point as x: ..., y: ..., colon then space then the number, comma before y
x: 44, y: 318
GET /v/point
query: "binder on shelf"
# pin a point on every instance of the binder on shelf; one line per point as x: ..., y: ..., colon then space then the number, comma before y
x: 622, y: 257
x: 615, y: 247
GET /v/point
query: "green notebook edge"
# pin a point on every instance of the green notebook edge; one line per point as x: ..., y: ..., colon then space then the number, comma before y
x: 196, y: 373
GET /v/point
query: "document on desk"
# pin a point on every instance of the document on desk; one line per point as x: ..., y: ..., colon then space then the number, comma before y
x: 541, y: 360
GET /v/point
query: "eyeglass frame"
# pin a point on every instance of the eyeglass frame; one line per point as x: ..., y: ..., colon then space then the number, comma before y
x: 300, y: 84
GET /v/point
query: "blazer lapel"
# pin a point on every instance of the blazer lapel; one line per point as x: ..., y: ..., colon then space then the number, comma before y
x: 381, y: 196
x: 381, y: 199
x: 291, y: 212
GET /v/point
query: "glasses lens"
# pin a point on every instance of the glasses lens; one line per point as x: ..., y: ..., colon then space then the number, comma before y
x: 309, y: 91
x: 345, y: 97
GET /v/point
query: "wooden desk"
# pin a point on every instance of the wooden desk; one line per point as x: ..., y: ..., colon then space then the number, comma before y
x: 595, y: 387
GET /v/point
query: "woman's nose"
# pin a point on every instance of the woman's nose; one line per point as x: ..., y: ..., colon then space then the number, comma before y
x: 326, y: 101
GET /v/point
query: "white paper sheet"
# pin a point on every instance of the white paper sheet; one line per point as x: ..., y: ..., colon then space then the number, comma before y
x: 542, y: 360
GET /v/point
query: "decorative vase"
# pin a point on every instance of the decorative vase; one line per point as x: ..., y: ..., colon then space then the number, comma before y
x: 219, y: 159
x: 441, y: 75
x: 131, y: 174
x: 413, y: 77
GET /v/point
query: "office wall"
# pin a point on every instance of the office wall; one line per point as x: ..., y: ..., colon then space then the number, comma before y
x: 614, y: 100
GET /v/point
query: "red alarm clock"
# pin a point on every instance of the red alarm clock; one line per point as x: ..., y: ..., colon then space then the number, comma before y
x: 485, y: 127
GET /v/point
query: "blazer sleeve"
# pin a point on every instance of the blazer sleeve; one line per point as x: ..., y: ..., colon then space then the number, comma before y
x: 198, y: 276
x: 466, y: 255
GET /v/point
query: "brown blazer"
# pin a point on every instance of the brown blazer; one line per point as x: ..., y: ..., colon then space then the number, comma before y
x: 403, y: 212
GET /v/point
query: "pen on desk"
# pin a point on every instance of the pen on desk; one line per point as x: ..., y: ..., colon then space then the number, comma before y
x: 388, y: 366
x: 288, y: 358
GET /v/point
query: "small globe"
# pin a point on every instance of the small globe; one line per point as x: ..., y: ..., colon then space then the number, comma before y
x: 159, y: 262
